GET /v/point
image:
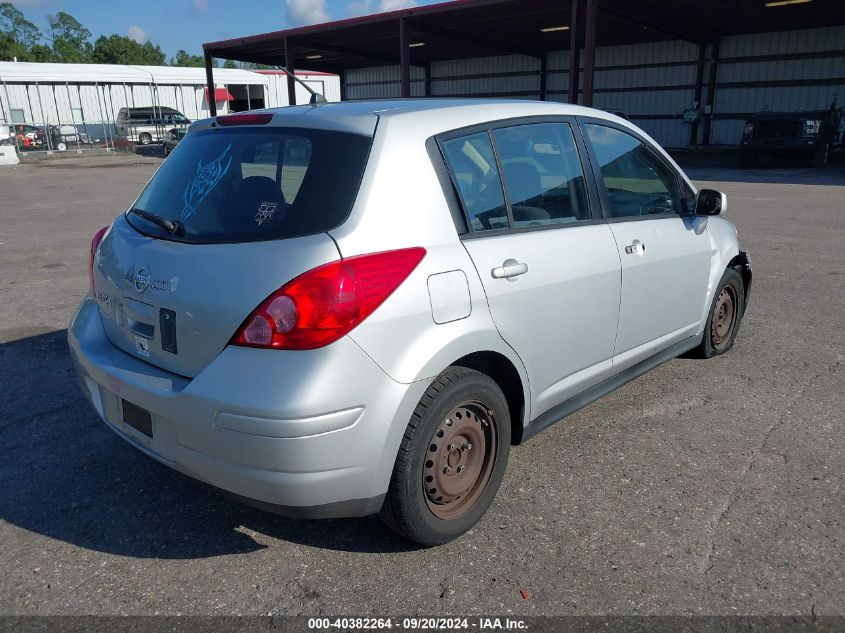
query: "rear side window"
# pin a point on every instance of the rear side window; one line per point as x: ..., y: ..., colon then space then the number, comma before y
x: 473, y: 165
x: 543, y: 175
x: 249, y: 184
x: 638, y: 183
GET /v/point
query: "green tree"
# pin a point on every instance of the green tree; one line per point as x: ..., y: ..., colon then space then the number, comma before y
x: 42, y: 53
x: 11, y: 49
x: 229, y: 64
x: 183, y: 58
x: 119, y: 49
x: 15, y: 24
x: 69, y: 38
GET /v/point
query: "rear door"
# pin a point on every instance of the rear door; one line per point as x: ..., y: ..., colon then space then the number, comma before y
x: 665, y: 251
x: 254, y: 208
x: 549, y: 267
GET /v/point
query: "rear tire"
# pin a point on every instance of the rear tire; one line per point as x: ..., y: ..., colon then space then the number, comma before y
x: 725, y: 315
x: 451, y: 460
x: 145, y: 138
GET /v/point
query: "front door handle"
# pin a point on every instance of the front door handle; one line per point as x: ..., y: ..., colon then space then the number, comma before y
x: 509, y: 269
x: 635, y: 248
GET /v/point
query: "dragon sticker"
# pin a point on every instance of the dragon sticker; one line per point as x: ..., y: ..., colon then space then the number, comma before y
x: 205, y: 179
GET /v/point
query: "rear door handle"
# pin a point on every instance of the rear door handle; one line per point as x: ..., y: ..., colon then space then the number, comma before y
x: 509, y: 269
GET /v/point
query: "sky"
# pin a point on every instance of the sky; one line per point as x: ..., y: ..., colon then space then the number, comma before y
x: 175, y: 24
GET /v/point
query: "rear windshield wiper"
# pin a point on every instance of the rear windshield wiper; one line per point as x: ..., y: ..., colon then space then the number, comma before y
x: 174, y: 227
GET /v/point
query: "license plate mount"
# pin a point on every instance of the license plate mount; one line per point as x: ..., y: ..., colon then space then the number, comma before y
x: 138, y: 418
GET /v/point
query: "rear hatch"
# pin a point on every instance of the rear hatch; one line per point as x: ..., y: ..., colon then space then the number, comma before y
x: 252, y: 205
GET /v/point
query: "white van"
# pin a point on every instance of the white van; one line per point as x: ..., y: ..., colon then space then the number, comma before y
x: 148, y: 124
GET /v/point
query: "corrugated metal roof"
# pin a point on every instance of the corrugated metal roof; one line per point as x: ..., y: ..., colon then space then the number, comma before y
x: 113, y: 73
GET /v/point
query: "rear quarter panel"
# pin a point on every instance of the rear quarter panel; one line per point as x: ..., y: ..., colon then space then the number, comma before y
x: 400, y: 205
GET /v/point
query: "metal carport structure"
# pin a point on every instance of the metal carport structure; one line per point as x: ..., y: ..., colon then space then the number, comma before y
x: 410, y: 42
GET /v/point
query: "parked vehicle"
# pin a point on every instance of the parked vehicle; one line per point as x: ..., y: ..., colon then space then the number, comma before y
x: 358, y: 307
x: 809, y: 135
x: 31, y: 137
x: 172, y: 138
x: 149, y: 124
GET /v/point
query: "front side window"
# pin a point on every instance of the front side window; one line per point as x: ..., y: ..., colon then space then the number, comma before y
x: 638, y: 183
x: 473, y: 164
x: 543, y: 174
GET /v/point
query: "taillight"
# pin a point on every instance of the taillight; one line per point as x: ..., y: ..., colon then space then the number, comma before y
x: 95, y: 242
x: 327, y: 302
x: 244, y: 119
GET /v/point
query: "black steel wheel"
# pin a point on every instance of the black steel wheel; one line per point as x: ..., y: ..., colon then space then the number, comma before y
x: 725, y: 315
x: 451, y: 460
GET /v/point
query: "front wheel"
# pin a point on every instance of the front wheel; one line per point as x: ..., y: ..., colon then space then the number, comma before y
x: 726, y: 312
x: 145, y: 138
x: 451, y: 460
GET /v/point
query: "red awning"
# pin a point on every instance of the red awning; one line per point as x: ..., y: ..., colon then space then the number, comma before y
x: 220, y: 94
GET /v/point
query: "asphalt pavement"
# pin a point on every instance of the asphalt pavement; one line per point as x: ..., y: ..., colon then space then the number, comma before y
x: 704, y: 487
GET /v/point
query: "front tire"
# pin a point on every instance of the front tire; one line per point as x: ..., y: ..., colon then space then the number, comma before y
x: 725, y: 315
x: 451, y: 460
x: 145, y: 138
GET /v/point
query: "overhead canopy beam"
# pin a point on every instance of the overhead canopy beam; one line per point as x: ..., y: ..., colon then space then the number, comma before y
x: 312, y: 44
x: 487, y: 45
x: 637, y: 18
x: 209, y: 78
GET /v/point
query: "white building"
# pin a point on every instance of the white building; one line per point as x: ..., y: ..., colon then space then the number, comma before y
x: 88, y: 97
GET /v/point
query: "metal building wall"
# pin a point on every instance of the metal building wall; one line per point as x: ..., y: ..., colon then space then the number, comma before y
x: 380, y: 82
x: 502, y: 76
x: 784, y: 71
x: 652, y: 83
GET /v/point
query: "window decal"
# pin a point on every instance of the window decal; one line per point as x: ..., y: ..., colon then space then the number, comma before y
x: 266, y: 211
x: 206, y: 178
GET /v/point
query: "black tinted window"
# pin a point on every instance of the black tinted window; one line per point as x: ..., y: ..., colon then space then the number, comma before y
x: 473, y: 164
x: 249, y: 184
x: 543, y: 174
x: 636, y: 180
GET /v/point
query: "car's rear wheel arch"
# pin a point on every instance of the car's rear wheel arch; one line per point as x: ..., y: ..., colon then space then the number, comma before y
x: 505, y: 374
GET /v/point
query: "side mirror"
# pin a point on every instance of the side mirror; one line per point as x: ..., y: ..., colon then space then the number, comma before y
x: 710, y: 202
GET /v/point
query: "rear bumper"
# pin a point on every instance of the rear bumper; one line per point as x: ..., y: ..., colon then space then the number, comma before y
x: 301, y: 433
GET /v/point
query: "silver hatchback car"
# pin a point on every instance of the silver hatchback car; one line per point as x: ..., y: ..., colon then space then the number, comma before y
x: 353, y: 308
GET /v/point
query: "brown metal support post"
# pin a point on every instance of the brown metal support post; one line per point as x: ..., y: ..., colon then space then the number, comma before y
x: 589, y: 51
x: 711, y: 91
x: 290, y: 67
x: 574, y: 51
x: 699, y: 91
x: 404, y: 60
x: 428, y: 80
x: 209, y: 80
x: 543, y: 69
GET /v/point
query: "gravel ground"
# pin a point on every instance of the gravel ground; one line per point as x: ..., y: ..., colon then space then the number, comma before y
x: 704, y: 487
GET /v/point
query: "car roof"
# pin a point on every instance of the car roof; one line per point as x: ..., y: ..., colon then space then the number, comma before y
x: 442, y: 113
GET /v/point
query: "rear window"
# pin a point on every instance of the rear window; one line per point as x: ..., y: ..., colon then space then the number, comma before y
x: 253, y: 184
